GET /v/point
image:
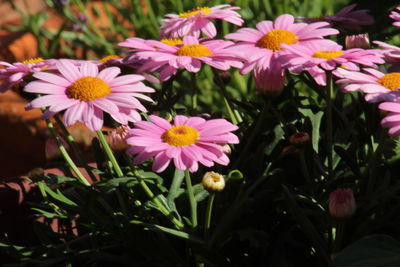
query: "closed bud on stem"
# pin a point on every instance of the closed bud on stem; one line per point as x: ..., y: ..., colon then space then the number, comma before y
x: 51, y: 149
x: 299, y: 139
x: 357, y: 41
x: 342, y: 204
x: 213, y: 182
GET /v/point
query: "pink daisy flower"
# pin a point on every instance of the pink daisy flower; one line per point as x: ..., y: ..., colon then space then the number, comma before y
x: 261, y: 47
x: 396, y: 16
x: 85, y: 93
x: 317, y: 58
x: 376, y: 85
x: 391, y: 54
x: 345, y: 19
x: 187, y: 142
x: 167, y: 59
x: 391, y: 120
x: 195, y: 21
x: 13, y: 74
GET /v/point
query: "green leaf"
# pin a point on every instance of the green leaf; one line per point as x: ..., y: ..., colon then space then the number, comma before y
x: 316, y: 123
x: 235, y: 175
x: 58, y: 195
x: 175, y: 190
x: 371, y: 251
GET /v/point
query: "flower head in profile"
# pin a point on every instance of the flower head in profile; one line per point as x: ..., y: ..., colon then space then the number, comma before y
x: 376, y: 85
x: 191, y: 54
x: 345, y: 19
x: 392, y: 119
x: 317, y: 58
x: 396, y: 16
x: 187, y: 142
x: 391, y: 54
x: 342, y: 204
x: 261, y: 48
x: 193, y: 22
x: 85, y: 94
x: 13, y: 74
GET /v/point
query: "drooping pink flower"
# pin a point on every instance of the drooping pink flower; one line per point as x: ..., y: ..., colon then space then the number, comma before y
x: 85, y: 94
x: 391, y: 120
x: 186, y: 142
x: 193, y: 22
x: 376, y: 85
x: 317, y: 58
x: 396, y: 16
x: 342, y: 204
x: 13, y: 74
x: 261, y: 47
x: 167, y: 59
x: 345, y: 19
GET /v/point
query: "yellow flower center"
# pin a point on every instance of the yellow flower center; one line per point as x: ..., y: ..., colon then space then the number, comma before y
x: 88, y: 88
x: 194, y: 12
x: 32, y: 60
x: 107, y: 58
x: 172, y: 42
x: 391, y: 81
x: 275, y: 38
x: 328, y: 54
x: 193, y: 50
x: 180, y: 135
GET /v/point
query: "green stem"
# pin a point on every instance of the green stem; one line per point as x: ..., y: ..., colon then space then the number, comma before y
x: 373, y: 164
x: 329, y: 130
x: 75, y: 149
x: 109, y: 153
x: 65, y: 154
x: 192, y: 200
x: 340, y: 229
x: 207, y: 221
x: 194, y: 91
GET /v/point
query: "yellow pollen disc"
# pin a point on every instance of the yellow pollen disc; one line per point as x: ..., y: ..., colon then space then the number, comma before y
x: 328, y: 54
x: 32, y: 60
x: 88, y: 88
x: 193, y: 50
x: 107, y: 58
x: 172, y: 42
x: 391, y: 81
x: 180, y: 135
x: 275, y: 38
x: 193, y: 12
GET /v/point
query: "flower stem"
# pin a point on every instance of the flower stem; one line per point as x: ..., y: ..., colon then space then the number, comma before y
x: 207, y: 221
x: 192, y: 200
x: 65, y: 154
x: 109, y: 153
x: 329, y: 130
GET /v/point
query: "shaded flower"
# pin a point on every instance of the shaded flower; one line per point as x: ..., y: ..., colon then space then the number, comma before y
x: 376, y: 85
x: 396, y: 16
x: 13, y: 74
x: 85, y: 93
x: 213, y: 182
x: 345, y: 19
x: 392, y: 119
x: 193, y: 22
x: 299, y: 139
x: 261, y: 48
x: 342, y: 204
x: 187, y: 142
x: 167, y: 59
x: 391, y: 55
x: 317, y: 58
x: 51, y: 148
x: 116, y: 138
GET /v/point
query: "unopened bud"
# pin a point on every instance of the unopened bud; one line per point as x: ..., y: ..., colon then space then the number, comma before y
x: 299, y: 139
x: 117, y: 137
x: 51, y: 148
x: 213, y: 182
x: 357, y: 41
x: 226, y: 149
x: 342, y: 204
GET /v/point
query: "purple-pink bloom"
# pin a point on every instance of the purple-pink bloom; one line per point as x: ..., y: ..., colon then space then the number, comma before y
x: 396, y: 16
x: 187, y: 142
x: 13, y: 74
x: 342, y: 204
x: 85, y: 94
x: 345, y: 19
x: 391, y: 120
x: 195, y: 21
x: 167, y: 59
x: 391, y: 54
x: 261, y: 48
x: 376, y: 85
x: 316, y: 58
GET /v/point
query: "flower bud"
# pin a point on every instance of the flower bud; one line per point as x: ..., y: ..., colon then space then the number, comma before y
x: 213, y: 182
x: 116, y: 138
x: 226, y: 149
x: 299, y: 139
x: 51, y: 148
x: 342, y: 204
x: 357, y: 41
